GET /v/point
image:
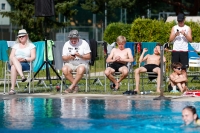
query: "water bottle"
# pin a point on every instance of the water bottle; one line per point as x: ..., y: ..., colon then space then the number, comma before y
x: 174, y: 88
x: 146, y: 92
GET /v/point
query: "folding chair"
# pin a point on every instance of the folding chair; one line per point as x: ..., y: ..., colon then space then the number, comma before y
x: 194, y: 64
x: 152, y: 76
x: 117, y: 74
x: 194, y: 68
x: 59, y: 63
x: 85, y: 76
x: 7, y: 75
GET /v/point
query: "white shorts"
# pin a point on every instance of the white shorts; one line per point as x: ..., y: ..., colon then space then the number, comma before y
x: 74, y: 67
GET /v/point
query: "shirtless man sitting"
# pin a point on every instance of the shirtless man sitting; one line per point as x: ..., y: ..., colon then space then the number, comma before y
x: 152, y: 65
x: 118, y: 59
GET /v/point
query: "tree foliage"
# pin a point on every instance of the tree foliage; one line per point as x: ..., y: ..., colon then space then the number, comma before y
x: 147, y: 30
x: 113, y: 30
x: 139, y: 7
x: 23, y: 15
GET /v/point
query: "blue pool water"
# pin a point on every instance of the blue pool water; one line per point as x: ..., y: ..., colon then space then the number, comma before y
x: 92, y: 115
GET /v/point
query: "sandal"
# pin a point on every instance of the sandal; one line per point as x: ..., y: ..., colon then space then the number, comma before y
x: 24, y: 79
x: 12, y: 92
x: 115, y: 89
x: 76, y: 88
x: 68, y: 91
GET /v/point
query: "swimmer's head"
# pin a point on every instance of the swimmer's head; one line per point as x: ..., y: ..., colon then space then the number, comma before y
x: 189, y: 115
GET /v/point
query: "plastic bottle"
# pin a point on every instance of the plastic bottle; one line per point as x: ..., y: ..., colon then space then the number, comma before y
x: 146, y: 92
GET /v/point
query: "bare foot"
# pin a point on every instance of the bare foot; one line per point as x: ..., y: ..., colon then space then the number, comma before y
x: 185, y: 89
x: 158, y: 90
x: 117, y: 86
x: 138, y: 91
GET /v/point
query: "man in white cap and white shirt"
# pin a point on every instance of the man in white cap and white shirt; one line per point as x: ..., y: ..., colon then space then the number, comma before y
x: 180, y: 35
x: 76, y: 55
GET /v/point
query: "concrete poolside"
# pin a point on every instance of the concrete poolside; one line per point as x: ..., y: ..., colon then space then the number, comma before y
x: 96, y: 96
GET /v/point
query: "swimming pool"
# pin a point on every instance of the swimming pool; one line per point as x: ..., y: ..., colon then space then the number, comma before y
x: 92, y: 115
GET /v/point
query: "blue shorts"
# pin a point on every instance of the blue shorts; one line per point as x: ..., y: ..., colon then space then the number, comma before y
x: 25, y: 66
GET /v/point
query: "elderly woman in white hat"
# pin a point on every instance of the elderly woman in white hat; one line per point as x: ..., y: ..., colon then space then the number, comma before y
x: 21, y: 54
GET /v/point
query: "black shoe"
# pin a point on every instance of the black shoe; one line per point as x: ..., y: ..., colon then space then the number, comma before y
x: 127, y: 92
x: 24, y: 79
x: 112, y: 86
x: 133, y: 93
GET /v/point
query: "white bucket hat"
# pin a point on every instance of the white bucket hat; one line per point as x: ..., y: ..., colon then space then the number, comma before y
x: 22, y: 32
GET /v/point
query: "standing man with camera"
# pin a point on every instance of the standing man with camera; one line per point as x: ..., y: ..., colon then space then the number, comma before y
x: 180, y: 35
x: 76, y: 55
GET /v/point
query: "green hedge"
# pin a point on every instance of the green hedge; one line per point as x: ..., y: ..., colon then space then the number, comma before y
x: 195, y: 27
x: 147, y: 30
x: 113, y: 30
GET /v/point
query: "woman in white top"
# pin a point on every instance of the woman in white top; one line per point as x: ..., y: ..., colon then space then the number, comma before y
x: 21, y: 54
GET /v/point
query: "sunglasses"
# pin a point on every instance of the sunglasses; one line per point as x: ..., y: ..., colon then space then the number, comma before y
x: 21, y: 36
x: 178, y: 68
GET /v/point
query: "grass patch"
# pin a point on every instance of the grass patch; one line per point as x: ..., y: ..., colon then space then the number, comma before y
x: 97, y: 88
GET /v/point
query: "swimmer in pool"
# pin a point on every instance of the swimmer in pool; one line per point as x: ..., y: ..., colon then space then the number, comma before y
x: 190, y: 117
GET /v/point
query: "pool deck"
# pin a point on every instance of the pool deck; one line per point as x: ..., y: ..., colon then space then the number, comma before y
x: 96, y: 96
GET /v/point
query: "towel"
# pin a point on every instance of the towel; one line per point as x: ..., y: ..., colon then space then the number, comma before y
x: 3, y: 50
x: 40, y: 46
x: 150, y: 46
x: 131, y: 45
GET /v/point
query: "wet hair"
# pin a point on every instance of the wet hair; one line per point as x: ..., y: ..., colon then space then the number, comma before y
x: 192, y: 109
x: 121, y: 39
x: 176, y: 64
